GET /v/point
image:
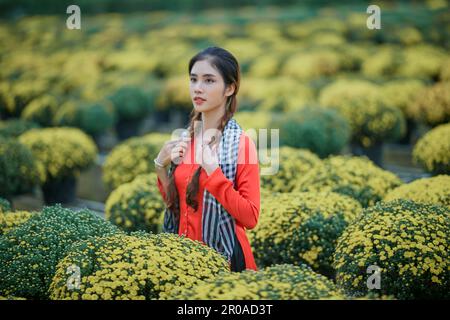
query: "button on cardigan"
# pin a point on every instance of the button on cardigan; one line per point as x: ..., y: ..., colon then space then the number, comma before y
x: 242, y: 201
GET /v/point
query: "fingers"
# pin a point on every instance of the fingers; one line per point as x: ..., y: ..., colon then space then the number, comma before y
x: 179, y: 149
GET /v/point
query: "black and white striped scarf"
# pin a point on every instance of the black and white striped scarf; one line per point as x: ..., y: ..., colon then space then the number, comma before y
x: 217, y: 224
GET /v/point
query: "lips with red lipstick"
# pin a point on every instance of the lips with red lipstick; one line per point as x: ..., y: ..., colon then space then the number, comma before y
x: 199, y: 100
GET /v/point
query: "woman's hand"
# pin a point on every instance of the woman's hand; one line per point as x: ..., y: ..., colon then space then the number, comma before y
x: 173, y: 150
x: 208, y: 157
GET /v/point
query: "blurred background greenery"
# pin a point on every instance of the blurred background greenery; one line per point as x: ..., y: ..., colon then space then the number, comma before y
x: 310, y: 68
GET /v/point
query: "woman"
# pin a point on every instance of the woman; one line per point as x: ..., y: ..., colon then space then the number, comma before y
x: 212, y: 188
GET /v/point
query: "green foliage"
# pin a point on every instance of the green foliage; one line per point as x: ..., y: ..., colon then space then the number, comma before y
x: 18, y: 169
x: 93, y: 118
x: 4, y: 205
x: 13, y: 128
x: 318, y: 130
x: 29, y: 253
x: 131, y: 103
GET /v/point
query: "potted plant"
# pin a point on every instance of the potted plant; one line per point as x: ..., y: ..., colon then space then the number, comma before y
x: 61, y: 153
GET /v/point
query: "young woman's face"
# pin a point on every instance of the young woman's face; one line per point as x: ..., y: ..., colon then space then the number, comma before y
x: 207, y: 88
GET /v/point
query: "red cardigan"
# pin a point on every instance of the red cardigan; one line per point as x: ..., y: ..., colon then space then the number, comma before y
x: 243, y: 204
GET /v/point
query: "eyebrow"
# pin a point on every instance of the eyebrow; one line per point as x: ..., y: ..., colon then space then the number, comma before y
x: 205, y: 75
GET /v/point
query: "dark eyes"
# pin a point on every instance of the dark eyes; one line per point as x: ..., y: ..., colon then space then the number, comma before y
x: 207, y: 80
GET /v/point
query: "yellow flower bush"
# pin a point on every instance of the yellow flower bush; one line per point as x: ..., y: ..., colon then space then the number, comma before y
x: 300, y: 228
x: 311, y: 65
x: 265, y: 66
x: 254, y: 120
x: 433, y: 190
x: 60, y: 152
x: 402, y: 93
x: 357, y: 177
x: 41, y: 110
x: 274, y: 94
x: 135, y: 267
x: 382, y: 61
x: 408, y: 241
x: 292, y: 165
x: 175, y: 94
x: 171, y: 58
x: 245, y: 49
x: 280, y: 282
x: 306, y: 28
x: 421, y: 61
x: 432, y: 105
x: 361, y: 104
x: 10, y: 220
x: 132, y: 158
x: 23, y: 92
x: 445, y: 70
x: 136, y: 205
x: 432, y: 151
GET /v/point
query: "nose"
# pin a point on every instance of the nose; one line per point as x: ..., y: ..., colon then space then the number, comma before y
x: 198, y: 87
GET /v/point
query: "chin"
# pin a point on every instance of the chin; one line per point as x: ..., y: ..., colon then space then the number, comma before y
x: 202, y: 108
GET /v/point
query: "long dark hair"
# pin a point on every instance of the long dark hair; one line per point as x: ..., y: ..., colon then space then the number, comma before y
x: 228, y: 67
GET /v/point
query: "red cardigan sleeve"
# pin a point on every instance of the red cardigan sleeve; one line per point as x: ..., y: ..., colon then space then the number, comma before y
x: 244, y: 203
x: 161, y: 190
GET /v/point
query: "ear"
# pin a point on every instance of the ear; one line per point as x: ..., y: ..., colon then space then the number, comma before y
x: 230, y: 90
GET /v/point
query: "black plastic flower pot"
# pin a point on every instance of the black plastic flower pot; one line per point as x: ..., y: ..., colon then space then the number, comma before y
x: 410, y: 135
x: 374, y: 152
x: 60, y: 190
x: 127, y: 128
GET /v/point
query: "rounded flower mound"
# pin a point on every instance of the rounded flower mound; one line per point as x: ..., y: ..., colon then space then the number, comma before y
x: 322, y: 131
x: 174, y: 94
x: 92, y: 118
x: 10, y: 220
x: 18, y: 169
x: 361, y: 103
x: 136, y: 205
x: 302, y: 228
x: 433, y: 190
x: 279, y: 282
x: 132, y: 158
x: 131, y: 103
x: 432, y: 106
x: 407, y: 241
x: 432, y: 151
x: 402, y: 93
x: 292, y: 164
x: 61, y: 152
x: 356, y: 177
x: 137, y: 267
x: 30, y: 252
